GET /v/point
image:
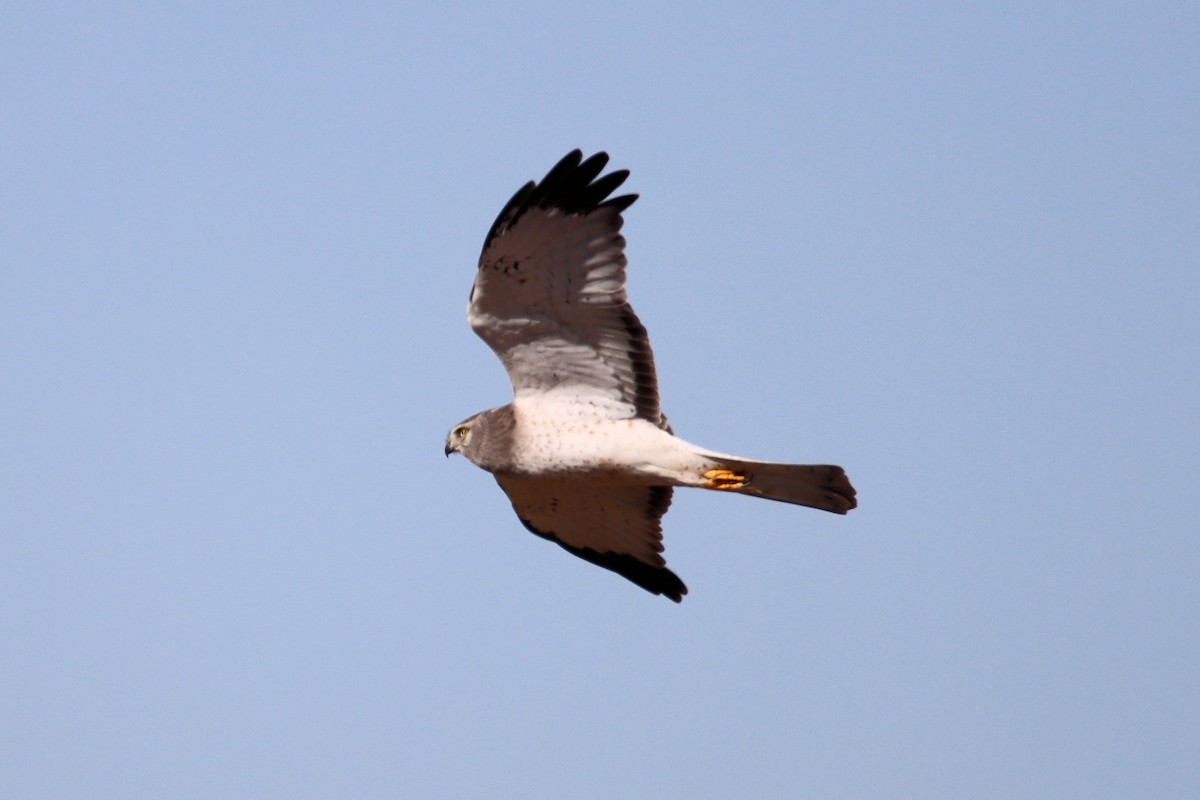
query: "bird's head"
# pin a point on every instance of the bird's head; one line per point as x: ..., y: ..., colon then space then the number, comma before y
x: 459, y: 440
x: 485, y: 439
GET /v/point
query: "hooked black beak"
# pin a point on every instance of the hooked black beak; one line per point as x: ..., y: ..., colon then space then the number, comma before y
x: 449, y: 448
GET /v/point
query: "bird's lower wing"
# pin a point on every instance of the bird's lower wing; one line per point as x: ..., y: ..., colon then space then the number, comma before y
x: 613, y: 526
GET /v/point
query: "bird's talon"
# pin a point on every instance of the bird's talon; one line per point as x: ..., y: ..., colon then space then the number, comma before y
x: 725, y: 479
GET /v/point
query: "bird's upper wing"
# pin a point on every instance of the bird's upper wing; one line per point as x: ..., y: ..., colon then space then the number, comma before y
x: 549, y: 296
x: 616, y: 527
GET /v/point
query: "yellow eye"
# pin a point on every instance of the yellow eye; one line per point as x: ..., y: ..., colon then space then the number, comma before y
x: 461, y: 432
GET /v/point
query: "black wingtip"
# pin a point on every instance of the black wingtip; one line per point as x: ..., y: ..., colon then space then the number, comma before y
x: 573, y: 185
x: 654, y: 579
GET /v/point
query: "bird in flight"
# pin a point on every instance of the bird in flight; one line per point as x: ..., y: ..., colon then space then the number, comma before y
x: 584, y: 451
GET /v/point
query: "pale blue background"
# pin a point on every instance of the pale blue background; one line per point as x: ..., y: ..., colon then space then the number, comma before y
x: 950, y: 246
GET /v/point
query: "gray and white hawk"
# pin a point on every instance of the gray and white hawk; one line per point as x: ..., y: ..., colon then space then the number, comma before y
x: 584, y: 451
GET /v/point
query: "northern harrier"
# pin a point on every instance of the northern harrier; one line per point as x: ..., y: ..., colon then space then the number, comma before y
x: 584, y: 452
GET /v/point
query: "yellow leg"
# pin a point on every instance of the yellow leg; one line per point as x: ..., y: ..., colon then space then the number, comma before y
x: 725, y: 479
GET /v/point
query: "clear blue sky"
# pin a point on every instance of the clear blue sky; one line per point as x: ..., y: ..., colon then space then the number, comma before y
x: 952, y: 247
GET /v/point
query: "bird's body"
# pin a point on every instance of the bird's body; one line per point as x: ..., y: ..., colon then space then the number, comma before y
x: 631, y: 450
x: 584, y: 451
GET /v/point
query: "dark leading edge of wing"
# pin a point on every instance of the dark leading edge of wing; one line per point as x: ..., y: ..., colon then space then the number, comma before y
x: 571, y: 186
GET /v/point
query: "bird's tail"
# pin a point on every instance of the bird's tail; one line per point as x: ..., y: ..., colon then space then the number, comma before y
x: 821, y: 486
